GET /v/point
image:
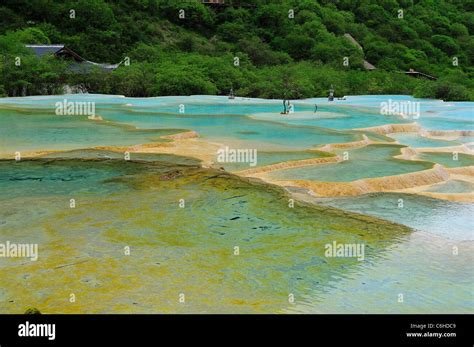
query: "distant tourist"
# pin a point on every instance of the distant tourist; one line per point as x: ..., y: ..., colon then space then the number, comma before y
x: 290, y: 108
x: 331, y: 94
x: 284, y: 107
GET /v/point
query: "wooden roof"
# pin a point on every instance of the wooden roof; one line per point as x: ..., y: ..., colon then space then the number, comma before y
x: 41, y: 50
x: 81, y: 65
x: 414, y: 73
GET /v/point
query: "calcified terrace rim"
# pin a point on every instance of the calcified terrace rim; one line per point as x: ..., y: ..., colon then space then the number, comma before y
x: 187, y: 143
x: 413, y: 182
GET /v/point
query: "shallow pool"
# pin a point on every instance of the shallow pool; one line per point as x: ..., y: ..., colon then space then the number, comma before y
x: 366, y: 162
x: 448, y: 159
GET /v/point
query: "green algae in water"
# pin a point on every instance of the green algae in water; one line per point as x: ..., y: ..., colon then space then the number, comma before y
x: 53, y: 177
x: 366, y: 162
x: 80, y: 171
x: 175, y: 249
x: 448, y: 159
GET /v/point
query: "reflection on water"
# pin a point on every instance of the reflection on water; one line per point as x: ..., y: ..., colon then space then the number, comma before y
x: 452, y: 220
x: 425, y: 270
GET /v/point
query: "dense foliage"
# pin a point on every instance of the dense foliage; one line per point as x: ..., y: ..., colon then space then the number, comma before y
x: 279, y: 55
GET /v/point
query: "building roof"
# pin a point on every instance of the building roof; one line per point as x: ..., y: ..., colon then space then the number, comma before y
x: 80, y: 65
x: 414, y: 73
x: 41, y: 50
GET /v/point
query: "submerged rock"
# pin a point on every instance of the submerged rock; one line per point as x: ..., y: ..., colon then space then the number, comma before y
x: 171, y: 175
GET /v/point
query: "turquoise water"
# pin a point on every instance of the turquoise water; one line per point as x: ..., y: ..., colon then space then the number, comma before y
x: 234, y: 129
x: 434, y: 114
x: 444, y: 218
x: 333, y: 117
x: 448, y: 159
x: 37, y: 131
x: 366, y: 162
x: 230, y: 108
x: 220, y: 119
x: 78, y: 172
x: 28, y: 178
x: 448, y: 116
x: 453, y: 186
x: 465, y: 139
x: 226, y: 128
x: 418, y: 141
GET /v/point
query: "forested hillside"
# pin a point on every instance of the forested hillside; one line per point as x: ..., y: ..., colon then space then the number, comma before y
x: 269, y: 49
